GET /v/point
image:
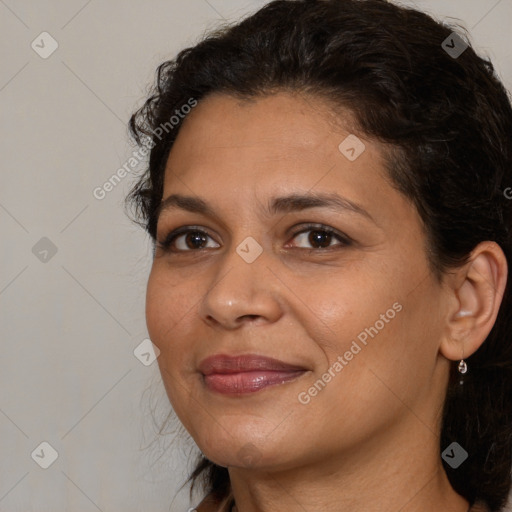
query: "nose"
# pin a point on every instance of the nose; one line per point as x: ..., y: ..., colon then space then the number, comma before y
x: 242, y: 293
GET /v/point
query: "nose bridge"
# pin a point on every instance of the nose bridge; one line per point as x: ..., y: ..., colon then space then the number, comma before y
x: 241, y: 288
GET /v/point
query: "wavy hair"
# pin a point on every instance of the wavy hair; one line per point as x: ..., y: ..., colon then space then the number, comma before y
x: 448, y: 123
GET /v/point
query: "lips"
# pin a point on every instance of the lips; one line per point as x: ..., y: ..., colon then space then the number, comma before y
x: 246, y: 373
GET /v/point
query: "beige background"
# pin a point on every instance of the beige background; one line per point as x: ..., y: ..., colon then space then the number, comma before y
x: 70, y: 321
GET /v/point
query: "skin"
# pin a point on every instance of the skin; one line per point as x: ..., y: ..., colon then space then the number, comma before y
x: 369, y: 440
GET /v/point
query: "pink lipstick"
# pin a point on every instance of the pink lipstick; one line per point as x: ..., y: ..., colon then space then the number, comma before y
x: 246, y: 374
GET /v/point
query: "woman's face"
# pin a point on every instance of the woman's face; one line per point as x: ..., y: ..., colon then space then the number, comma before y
x: 353, y: 316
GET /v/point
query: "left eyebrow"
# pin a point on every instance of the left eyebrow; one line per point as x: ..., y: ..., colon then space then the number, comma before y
x: 283, y: 204
x: 299, y: 202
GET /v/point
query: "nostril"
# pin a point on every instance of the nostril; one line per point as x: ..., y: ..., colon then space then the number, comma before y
x: 251, y: 317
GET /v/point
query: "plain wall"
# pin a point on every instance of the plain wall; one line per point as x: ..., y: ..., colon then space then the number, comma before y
x: 70, y: 321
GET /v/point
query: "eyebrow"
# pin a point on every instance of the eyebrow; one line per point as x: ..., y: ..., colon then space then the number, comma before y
x: 283, y: 204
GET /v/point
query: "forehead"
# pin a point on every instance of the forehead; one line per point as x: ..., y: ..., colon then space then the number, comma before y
x: 282, y: 135
x: 230, y: 151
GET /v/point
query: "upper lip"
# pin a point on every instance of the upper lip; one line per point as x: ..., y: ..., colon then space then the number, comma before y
x: 222, y: 363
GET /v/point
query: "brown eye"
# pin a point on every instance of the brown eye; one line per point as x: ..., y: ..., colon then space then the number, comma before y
x: 321, y: 237
x: 188, y: 240
x: 193, y: 239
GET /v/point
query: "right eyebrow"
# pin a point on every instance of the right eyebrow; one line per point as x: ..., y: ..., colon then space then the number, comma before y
x: 189, y: 203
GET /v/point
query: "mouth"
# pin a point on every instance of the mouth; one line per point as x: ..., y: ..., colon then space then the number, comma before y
x: 246, y: 374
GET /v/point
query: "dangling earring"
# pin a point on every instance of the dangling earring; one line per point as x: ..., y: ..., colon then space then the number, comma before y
x: 463, y: 368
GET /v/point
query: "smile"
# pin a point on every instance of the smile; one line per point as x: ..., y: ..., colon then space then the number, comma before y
x: 246, y: 374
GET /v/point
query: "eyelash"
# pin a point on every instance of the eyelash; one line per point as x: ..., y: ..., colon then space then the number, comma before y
x: 171, y: 237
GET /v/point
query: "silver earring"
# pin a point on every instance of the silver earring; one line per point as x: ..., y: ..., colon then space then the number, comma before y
x: 463, y: 367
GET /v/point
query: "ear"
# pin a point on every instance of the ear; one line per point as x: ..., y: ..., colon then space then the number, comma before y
x: 476, y: 292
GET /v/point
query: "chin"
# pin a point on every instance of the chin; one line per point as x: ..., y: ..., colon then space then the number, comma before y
x: 249, y: 447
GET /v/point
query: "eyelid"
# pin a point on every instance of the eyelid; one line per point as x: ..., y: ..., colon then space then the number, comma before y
x: 343, y: 239
x: 183, y: 230
x: 323, y: 227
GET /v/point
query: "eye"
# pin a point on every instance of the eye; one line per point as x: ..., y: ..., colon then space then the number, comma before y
x: 320, y: 235
x: 192, y: 239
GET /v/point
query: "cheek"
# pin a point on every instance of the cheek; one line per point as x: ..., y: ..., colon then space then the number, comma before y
x: 166, y: 316
x: 344, y: 308
x: 373, y: 323
x: 166, y: 309
x: 389, y: 355
x: 156, y: 303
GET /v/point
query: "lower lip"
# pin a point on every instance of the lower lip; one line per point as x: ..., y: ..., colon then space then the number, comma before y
x: 248, y: 382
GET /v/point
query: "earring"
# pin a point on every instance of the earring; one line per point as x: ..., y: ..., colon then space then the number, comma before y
x: 463, y: 368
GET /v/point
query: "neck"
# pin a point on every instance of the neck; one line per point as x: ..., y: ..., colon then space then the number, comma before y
x: 404, y: 473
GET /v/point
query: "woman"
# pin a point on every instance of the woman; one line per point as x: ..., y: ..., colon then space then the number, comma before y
x: 329, y: 290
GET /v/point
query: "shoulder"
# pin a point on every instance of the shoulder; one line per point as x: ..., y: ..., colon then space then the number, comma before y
x: 480, y: 507
x: 207, y: 505
x: 210, y: 504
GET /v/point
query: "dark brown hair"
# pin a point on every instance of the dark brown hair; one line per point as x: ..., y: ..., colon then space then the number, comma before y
x: 448, y: 120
